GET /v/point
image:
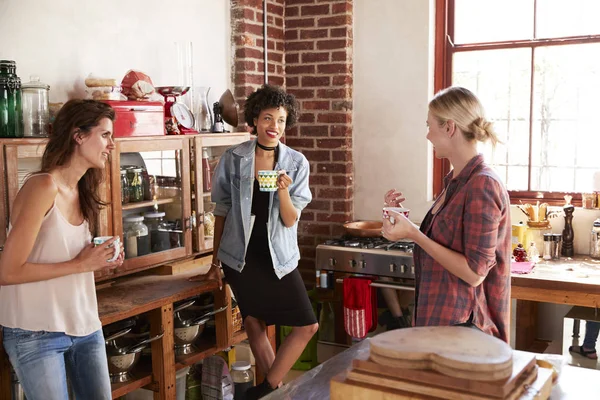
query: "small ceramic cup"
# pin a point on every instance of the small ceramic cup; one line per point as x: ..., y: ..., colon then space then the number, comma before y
x: 267, y: 180
x: 116, y: 244
x: 388, y: 212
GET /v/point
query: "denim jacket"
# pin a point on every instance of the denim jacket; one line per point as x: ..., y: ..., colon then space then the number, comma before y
x: 232, y: 187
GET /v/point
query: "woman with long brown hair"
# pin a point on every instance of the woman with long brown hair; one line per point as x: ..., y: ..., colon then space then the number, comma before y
x: 48, y: 307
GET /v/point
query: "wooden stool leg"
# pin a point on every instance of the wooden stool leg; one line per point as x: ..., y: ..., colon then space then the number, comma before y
x: 576, y: 327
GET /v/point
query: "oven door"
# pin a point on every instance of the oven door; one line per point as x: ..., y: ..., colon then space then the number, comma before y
x: 395, y: 304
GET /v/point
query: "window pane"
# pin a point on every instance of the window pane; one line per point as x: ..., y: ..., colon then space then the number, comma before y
x: 564, y: 136
x: 559, y: 18
x: 502, y: 81
x: 478, y: 21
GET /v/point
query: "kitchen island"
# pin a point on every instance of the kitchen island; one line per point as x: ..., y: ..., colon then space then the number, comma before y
x: 573, y: 382
x: 573, y: 281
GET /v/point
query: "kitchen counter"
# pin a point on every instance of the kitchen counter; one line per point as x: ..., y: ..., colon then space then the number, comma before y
x: 573, y: 383
x: 573, y: 281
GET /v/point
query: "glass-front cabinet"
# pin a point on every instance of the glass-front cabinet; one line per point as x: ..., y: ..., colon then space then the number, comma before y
x: 157, y: 191
x: 153, y: 193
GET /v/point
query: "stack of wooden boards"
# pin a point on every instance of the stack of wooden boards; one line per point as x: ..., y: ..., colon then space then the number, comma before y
x: 442, y: 363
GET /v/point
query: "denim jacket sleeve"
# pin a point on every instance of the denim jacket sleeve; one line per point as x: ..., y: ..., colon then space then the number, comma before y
x: 300, y: 192
x: 221, y: 186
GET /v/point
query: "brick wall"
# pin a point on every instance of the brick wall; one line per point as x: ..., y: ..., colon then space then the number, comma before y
x: 248, y: 44
x: 314, y: 38
x: 318, y: 71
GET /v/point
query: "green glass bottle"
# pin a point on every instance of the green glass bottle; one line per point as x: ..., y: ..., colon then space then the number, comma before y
x: 11, y: 109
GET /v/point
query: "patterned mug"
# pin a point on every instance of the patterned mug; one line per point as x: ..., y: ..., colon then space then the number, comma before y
x: 116, y: 244
x: 389, y: 211
x: 267, y: 180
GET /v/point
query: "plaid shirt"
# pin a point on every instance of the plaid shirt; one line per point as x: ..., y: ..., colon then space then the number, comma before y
x: 475, y: 221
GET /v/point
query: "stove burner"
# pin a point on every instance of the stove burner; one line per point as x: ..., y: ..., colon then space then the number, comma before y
x: 371, y: 243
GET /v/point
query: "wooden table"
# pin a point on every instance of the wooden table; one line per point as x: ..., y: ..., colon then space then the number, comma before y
x: 155, y: 295
x: 568, y: 281
x: 573, y: 383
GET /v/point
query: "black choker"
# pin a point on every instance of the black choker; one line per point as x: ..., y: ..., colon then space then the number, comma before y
x: 265, y: 148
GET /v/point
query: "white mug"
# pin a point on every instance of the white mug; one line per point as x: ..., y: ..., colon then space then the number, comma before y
x: 116, y: 244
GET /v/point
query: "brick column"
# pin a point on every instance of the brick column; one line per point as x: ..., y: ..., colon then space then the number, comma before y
x: 310, y: 53
x: 318, y: 68
x: 248, y: 47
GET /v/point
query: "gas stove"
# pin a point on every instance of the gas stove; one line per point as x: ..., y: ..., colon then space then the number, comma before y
x: 369, y: 256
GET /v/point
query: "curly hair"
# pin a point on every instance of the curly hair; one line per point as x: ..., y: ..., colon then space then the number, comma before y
x: 270, y: 96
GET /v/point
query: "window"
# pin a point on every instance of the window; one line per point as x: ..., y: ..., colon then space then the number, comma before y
x: 535, y: 65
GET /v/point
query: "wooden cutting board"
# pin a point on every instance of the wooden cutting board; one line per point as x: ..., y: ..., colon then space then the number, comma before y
x: 444, y: 348
x: 343, y: 388
x: 522, y: 363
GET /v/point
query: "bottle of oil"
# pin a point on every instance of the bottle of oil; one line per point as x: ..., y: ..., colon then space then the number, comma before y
x: 218, y: 126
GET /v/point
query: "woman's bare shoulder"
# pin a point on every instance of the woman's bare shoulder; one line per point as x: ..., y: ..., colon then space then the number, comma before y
x: 37, y: 194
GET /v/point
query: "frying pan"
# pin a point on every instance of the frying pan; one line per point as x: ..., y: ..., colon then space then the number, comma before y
x: 364, y: 228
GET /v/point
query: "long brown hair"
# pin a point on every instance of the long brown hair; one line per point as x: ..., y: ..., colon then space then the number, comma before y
x: 78, y: 117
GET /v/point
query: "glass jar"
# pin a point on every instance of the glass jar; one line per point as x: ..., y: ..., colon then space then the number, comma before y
x: 136, y: 185
x: 595, y: 240
x: 242, y: 377
x: 159, y: 231
x: 124, y: 187
x: 548, y: 252
x: 11, y: 111
x: 137, y: 240
x: 36, y: 110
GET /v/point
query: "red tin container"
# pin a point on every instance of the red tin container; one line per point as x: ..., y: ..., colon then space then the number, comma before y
x: 138, y: 118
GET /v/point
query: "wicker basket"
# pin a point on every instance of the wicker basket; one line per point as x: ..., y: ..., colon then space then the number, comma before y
x: 237, y: 319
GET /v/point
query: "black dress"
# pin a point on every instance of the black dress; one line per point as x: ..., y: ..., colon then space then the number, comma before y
x: 258, y: 291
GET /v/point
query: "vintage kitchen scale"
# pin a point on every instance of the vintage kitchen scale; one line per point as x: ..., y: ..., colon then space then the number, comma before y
x: 444, y: 362
x: 179, y: 119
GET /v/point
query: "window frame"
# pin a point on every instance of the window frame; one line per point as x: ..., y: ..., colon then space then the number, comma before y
x: 445, y: 49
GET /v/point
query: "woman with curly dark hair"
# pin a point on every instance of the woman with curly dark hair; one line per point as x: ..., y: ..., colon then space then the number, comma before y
x: 256, y: 234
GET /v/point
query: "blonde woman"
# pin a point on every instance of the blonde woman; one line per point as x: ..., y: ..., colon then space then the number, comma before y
x: 462, y: 252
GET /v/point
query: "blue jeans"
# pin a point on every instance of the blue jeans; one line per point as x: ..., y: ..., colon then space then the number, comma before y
x: 43, y: 360
x: 592, y: 329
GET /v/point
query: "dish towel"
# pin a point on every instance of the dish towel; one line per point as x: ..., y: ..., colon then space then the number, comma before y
x: 360, y: 306
x: 523, y: 267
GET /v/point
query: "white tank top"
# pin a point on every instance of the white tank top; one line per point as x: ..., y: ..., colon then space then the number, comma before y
x: 66, y: 304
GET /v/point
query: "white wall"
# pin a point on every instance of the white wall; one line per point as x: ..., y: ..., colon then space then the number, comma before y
x: 393, y: 82
x: 62, y: 41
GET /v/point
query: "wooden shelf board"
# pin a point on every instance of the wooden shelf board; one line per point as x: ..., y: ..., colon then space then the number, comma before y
x: 205, y: 349
x: 142, y: 204
x: 144, y: 372
x: 238, y: 337
x: 130, y: 296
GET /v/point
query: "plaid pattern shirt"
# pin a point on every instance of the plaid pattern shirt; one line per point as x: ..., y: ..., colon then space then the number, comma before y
x: 475, y: 221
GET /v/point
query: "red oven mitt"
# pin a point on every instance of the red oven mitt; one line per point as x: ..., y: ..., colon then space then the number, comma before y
x: 359, y: 300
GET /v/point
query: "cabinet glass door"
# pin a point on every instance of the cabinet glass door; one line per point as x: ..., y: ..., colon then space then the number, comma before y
x: 207, y: 150
x: 152, y: 185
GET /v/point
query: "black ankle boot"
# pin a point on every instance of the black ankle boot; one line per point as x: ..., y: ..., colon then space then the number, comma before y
x: 258, y: 391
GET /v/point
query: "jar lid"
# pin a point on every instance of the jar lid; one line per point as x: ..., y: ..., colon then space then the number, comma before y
x: 134, y: 169
x: 134, y: 218
x: 240, y: 366
x: 35, y: 83
x: 123, y: 172
x: 7, y: 62
x: 548, y: 237
x: 557, y: 237
x: 597, y: 222
x: 157, y: 214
